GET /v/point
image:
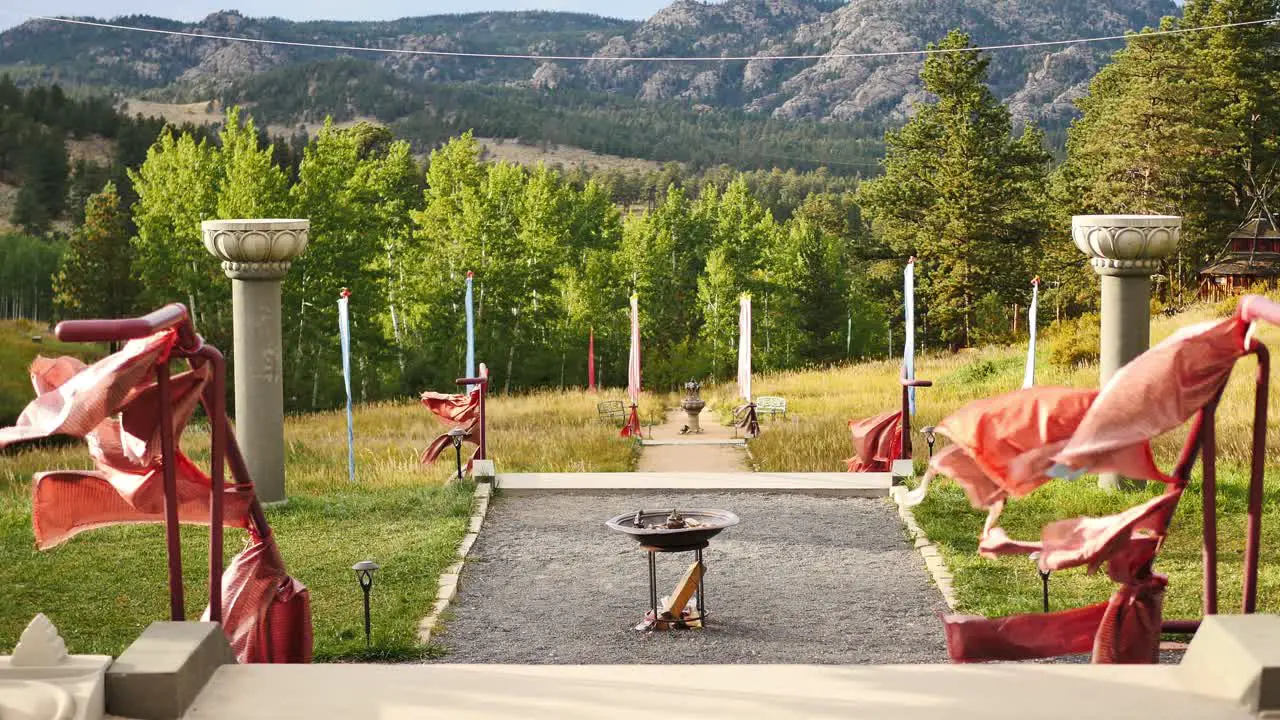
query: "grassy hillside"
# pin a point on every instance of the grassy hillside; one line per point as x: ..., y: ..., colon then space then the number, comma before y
x: 816, y: 439
x: 18, y: 347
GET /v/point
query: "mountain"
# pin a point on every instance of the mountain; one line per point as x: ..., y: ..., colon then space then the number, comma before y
x: 1039, y: 83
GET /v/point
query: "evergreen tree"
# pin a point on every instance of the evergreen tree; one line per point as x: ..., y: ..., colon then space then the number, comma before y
x: 961, y: 193
x: 95, y: 277
x: 1185, y: 124
x: 42, y: 166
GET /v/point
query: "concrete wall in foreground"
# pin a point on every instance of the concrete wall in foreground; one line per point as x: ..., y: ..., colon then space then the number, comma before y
x: 1232, y: 670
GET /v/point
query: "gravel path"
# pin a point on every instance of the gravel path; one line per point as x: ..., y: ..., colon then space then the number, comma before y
x: 692, y: 458
x: 801, y: 580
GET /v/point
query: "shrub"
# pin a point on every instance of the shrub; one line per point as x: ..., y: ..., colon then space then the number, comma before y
x: 1075, y: 342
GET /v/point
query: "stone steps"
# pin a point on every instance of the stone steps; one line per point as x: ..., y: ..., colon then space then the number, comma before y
x: 827, y: 484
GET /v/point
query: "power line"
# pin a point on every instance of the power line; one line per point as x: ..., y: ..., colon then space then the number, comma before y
x: 592, y: 58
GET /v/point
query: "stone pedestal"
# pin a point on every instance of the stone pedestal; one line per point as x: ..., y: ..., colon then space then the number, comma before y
x: 1125, y: 250
x: 256, y: 255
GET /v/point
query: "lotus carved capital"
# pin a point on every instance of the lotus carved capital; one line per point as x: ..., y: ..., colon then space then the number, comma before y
x: 255, y: 249
x: 1126, y: 244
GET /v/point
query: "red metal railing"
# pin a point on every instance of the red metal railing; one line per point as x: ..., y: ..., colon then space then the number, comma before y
x: 1203, y: 440
x: 223, y: 447
x: 905, y: 453
x: 482, y: 383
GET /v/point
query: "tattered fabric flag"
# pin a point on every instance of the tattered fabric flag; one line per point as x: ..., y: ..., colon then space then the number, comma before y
x: 471, y: 330
x: 1029, y: 377
x: 632, y: 428
x: 591, y: 360
x: 114, y: 405
x: 909, y: 346
x: 344, y: 338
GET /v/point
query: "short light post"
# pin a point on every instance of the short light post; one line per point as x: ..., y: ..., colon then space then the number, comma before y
x: 456, y: 436
x: 1044, y: 580
x: 929, y: 438
x: 364, y: 574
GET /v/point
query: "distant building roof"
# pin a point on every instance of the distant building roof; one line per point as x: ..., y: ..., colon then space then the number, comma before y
x: 1265, y: 265
x: 1258, y: 227
x: 1251, y: 258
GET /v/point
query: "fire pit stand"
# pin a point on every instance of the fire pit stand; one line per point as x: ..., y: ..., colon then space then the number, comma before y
x: 675, y: 532
x: 656, y: 620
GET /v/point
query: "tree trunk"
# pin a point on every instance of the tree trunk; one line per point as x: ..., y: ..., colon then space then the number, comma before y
x: 511, y: 358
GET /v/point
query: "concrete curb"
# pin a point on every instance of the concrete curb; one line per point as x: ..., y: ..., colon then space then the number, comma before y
x: 449, y: 578
x: 933, y: 561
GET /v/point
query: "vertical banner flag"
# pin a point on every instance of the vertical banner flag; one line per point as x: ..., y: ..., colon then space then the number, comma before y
x: 591, y: 360
x: 633, y: 360
x: 1029, y: 377
x: 471, y: 330
x: 744, y: 347
x: 344, y: 339
x: 909, y: 344
x: 632, y: 427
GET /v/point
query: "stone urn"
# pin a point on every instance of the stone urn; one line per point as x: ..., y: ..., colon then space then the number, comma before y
x: 693, y: 404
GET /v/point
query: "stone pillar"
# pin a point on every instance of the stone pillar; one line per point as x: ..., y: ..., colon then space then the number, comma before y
x: 1125, y: 250
x: 256, y: 255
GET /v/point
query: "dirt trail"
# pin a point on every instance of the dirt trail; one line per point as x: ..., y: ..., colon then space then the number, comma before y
x: 692, y: 458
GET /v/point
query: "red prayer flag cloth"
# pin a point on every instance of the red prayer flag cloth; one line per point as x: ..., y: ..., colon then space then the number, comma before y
x: 877, y: 442
x: 114, y: 405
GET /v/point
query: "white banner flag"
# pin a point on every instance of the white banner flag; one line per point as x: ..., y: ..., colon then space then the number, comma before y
x: 744, y: 347
x: 633, y: 360
x: 470, y: 308
x: 909, y: 345
x: 344, y: 339
x: 1029, y: 376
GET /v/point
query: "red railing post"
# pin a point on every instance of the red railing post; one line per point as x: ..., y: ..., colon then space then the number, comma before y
x: 173, y: 542
x: 905, y: 452
x: 214, y: 400
x: 482, y: 383
x: 1253, y: 531
x: 1209, y: 503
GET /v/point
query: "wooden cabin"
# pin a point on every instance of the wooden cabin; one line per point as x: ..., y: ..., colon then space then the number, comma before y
x: 1252, y: 257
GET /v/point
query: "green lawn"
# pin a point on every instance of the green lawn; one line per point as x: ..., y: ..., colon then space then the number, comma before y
x: 103, y: 587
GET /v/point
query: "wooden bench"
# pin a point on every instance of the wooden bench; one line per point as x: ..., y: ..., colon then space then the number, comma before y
x: 771, y: 405
x: 612, y: 411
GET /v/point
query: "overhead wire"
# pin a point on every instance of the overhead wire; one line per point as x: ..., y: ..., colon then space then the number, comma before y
x: 638, y: 58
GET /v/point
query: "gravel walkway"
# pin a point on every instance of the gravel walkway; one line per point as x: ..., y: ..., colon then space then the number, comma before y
x: 801, y: 580
x: 692, y: 458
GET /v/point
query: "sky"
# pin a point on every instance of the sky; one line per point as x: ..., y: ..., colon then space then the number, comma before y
x: 11, y: 11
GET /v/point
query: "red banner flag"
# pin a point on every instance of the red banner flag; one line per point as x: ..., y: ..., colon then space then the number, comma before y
x: 591, y: 361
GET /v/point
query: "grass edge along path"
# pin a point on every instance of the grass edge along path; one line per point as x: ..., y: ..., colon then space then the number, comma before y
x: 103, y: 587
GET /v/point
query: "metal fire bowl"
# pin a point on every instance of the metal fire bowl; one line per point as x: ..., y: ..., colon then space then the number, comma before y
x: 674, y: 540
